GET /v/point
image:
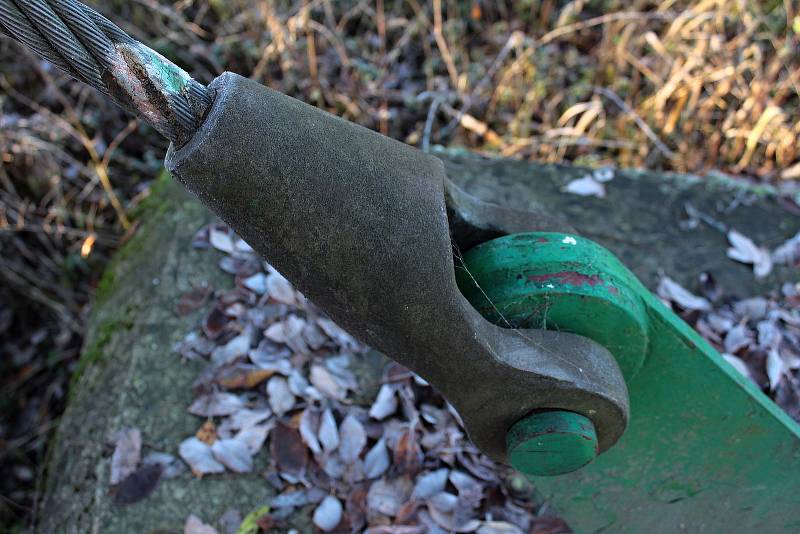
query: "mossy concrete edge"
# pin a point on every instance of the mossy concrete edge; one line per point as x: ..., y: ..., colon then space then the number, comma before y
x: 128, y: 376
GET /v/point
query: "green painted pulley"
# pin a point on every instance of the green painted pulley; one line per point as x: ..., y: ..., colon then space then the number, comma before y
x: 554, y: 281
x: 705, y: 449
x: 566, y: 283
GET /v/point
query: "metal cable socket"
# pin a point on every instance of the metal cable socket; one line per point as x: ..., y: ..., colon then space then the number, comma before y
x: 83, y: 43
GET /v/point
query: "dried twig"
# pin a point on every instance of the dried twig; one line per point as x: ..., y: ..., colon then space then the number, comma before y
x: 611, y: 95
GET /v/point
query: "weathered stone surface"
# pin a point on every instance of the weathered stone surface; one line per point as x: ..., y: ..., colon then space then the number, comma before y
x: 129, y: 377
x: 643, y: 219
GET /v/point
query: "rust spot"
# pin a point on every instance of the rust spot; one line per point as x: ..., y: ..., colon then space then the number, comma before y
x: 153, y: 97
x: 568, y: 278
x: 613, y: 290
x: 542, y: 240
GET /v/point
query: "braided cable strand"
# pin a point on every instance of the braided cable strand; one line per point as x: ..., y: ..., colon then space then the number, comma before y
x: 86, y: 45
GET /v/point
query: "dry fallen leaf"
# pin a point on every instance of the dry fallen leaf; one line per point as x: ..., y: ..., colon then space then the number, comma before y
x: 387, y: 496
x: 242, y: 247
x: 233, y: 454
x: 199, y: 457
x: 443, y: 501
x: 396, y: 529
x: 376, y: 462
x: 339, y: 336
x: 309, y: 423
x: 276, y: 332
x: 195, y: 526
x: 353, y: 438
x: 442, y: 508
x: 193, y: 300
x: 385, y: 403
x: 294, y: 327
x: 788, y: 252
x: 273, y: 362
x: 253, y: 437
x: 256, y: 283
x: 333, y: 466
x: 242, y: 376
x: 339, y: 366
x: 299, y: 386
x: 743, y: 250
x: 328, y: 431
x: 754, y: 308
x: 281, y: 399
x: 430, y: 484
x: 207, y: 433
x: 314, y: 336
x: 670, y: 290
x: 407, y: 452
x: 450, y: 523
x: 585, y: 187
x: 235, y: 348
x: 247, y: 417
x: 776, y: 368
x: 326, y: 382
x: 127, y: 454
x: 298, y: 498
x: 328, y: 514
x: 478, y: 465
x: 216, y: 404
x: 769, y: 335
x: 215, y: 322
x: 737, y: 338
x: 738, y: 364
x: 138, y: 485
x: 279, y: 289
x: 220, y: 240
x: 288, y: 450
x: 470, y: 491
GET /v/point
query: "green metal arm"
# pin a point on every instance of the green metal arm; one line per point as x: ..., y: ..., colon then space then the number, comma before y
x: 705, y: 449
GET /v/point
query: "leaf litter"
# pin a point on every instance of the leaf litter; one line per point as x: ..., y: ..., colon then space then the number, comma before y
x: 279, y: 375
x: 758, y: 336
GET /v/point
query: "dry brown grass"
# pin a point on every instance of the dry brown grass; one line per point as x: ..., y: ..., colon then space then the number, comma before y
x: 689, y: 86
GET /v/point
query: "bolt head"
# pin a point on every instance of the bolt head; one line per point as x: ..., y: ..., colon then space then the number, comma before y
x: 551, y: 443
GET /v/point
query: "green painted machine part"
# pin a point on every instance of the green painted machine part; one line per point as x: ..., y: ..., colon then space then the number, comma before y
x: 555, y: 281
x: 552, y: 443
x: 705, y: 449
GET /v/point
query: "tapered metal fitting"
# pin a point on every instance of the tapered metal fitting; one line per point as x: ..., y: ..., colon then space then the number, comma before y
x: 365, y: 226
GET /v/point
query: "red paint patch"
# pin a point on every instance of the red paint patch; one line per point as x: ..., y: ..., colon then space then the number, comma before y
x: 568, y: 278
